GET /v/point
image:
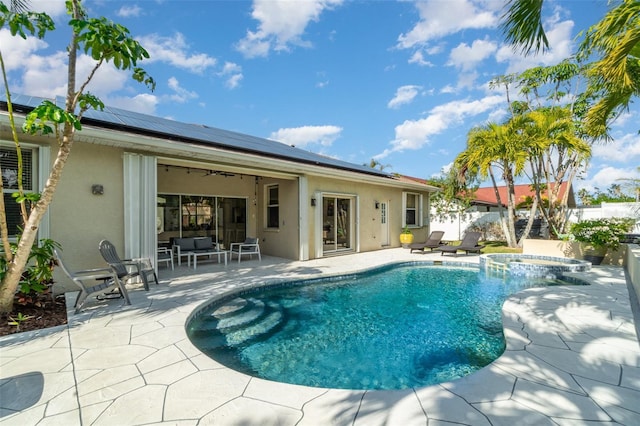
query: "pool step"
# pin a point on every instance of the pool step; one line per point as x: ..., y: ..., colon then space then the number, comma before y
x: 236, y: 323
x: 243, y: 313
x: 260, y: 329
x: 253, y: 310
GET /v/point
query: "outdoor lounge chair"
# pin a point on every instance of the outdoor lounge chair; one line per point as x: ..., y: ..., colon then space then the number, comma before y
x: 469, y: 244
x: 249, y: 247
x: 165, y: 254
x: 93, y: 282
x: 127, y: 269
x: 434, y: 241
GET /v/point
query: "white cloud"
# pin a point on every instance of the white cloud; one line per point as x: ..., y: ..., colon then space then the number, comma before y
x: 175, y: 51
x: 144, y: 103
x: 414, y: 134
x: 233, y: 74
x: 304, y: 136
x: 623, y: 149
x: 129, y: 11
x: 181, y: 95
x: 53, y: 8
x: 404, y: 95
x: 467, y: 57
x: 46, y: 75
x: 448, y: 89
x: 418, y: 58
x: 281, y: 24
x: 441, y: 18
x: 606, y: 176
x: 17, y: 51
x: 234, y: 81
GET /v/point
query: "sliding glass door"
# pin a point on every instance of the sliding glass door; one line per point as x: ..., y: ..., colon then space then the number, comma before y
x: 222, y: 218
x: 337, y: 220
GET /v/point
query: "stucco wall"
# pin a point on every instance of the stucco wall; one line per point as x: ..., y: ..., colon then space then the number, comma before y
x: 284, y: 241
x: 633, y: 269
x: 79, y: 219
x: 570, y: 249
x: 369, y: 226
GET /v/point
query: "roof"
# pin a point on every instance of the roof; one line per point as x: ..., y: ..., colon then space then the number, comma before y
x: 487, y: 195
x: 144, y: 124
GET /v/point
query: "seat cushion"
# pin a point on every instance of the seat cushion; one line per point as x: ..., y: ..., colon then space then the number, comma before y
x: 204, y: 243
x: 186, y: 243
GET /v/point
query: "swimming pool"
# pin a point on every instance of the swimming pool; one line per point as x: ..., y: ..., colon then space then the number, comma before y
x: 392, y: 328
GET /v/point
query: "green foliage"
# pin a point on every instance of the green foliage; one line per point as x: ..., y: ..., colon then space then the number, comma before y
x: 19, y: 319
x: 406, y: 230
x: 523, y: 26
x: 25, y: 23
x: 48, y: 112
x: 601, y: 233
x: 616, y: 193
x: 38, y: 275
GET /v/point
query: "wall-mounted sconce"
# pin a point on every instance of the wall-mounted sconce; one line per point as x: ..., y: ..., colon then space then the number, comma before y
x: 377, y: 204
x: 313, y: 202
x: 97, y: 189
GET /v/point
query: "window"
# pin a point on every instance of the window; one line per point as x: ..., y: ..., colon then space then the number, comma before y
x: 273, y: 207
x: 9, y: 164
x: 222, y: 218
x: 412, y: 209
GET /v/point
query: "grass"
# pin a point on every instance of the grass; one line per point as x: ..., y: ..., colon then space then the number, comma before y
x: 493, y: 247
x: 498, y: 247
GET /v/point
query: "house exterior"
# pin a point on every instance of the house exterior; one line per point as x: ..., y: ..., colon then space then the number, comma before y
x: 485, y: 200
x: 140, y: 180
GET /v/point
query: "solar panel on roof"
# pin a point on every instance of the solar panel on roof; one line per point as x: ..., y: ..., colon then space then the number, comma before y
x: 134, y: 121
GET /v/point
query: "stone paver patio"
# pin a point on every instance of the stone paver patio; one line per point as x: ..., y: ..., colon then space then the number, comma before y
x: 572, y: 358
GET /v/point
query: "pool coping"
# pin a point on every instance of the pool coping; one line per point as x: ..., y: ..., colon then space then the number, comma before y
x: 572, y: 356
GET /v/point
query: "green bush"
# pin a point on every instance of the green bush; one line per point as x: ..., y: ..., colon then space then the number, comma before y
x: 601, y: 233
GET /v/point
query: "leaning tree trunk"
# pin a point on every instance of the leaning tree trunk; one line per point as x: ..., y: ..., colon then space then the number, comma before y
x: 503, y: 220
x: 14, y: 271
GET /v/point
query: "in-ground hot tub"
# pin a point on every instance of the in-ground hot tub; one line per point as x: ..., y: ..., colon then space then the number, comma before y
x: 532, y: 265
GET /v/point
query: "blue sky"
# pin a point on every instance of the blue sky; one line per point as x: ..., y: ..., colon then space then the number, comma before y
x: 399, y: 81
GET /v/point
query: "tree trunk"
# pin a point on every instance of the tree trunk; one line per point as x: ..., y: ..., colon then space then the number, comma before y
x: 503, y: 221
x: 16, y: 267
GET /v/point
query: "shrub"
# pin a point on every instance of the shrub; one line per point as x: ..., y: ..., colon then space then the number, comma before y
x: 601, y: 233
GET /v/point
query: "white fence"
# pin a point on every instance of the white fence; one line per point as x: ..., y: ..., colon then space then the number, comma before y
x: 455, y: 226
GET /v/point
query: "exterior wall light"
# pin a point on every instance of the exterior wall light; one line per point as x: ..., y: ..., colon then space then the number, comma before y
x: 97, y: 189
x: 313, y: 202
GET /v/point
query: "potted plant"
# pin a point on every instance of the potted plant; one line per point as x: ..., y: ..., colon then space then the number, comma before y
x: 599, y: 235
x: 406, y: 237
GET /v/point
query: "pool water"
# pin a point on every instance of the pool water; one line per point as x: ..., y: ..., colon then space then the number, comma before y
x: 397, y: 328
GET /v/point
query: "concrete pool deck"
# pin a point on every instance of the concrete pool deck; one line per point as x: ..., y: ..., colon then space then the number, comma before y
x: 572, y: 358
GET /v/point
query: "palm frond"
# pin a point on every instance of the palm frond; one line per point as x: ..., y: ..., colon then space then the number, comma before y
x: 522, y: 26
x: 19, y: 6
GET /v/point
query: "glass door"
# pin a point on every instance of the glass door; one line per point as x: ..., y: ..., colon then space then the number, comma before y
x: 337, y: 220
x: 384, y: 224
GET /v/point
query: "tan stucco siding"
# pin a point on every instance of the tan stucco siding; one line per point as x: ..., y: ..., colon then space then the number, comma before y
x: 80, y: 219
x: 283, y: 241
x: 367, y: 216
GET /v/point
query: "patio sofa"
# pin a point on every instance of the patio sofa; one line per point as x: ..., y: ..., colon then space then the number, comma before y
x: 187, y: 246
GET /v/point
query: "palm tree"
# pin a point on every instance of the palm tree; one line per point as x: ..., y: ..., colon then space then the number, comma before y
x: 634, y: 184
x: 376, y: 164
x: 495, y: 146
x: 615, y: 39
x: 556, y: 153
x: 522, y: 25
x: 19, y: 5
